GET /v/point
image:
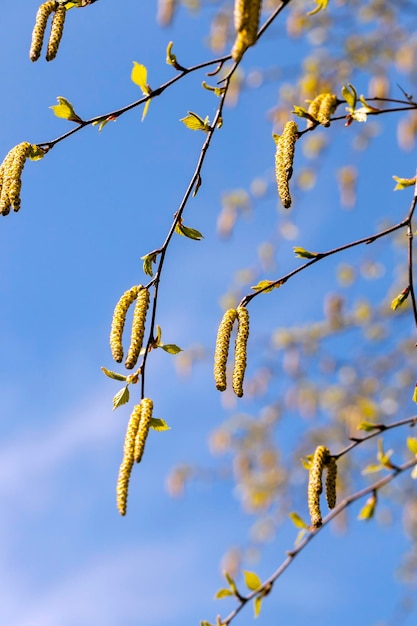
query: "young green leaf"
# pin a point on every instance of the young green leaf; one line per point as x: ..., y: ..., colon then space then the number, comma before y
x: 148, y: 260
x: 367, y: 426
x: 301, y: 112
x: 231, y: 582
x: 186, y: 231
x: 139, y: 76
x: 171, y: 348
x: 400, y: 299
x: 65, y: 110
x: 223, y: 593
x: 252, y: 580
x: 350, y: 95
x: 113, y: 375
x: 266, y: 286
x: 412, y: 444
x: 306, y: 461
x: 159, y: 424
x: 414, y: 398
x: 103, y: 121
x: 257, y: 605
x: 218, y: 91
x: 297, y: 520
x: 36, y: 153
x: 121, y: 397
x: 301, y: 253
x: 367, y: 511
x: 195, y: 122
x: 402, y: 183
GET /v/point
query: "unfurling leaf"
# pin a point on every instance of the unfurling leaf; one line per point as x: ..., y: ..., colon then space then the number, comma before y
x: 414, y: 398
x: 103, y: 121
x: 197, y: 185
x: 266, y: 286
x: 36, y: 153
x: 148, y: 260
x: 171, y: 348
x: 257, y: 605
x: 113, y: 375
x: 301, y: 253
x: 231, y: 582
x: 65, y: 110
x: 297, y: 520
x: 252, y: 580
x: 121, y: 397
x: 367, y: 426
x: 400, y: 299
x: 186, y: 231
x: 321, y: 5
x: 158, y: 424
x: 371, y: 468
x: 139, y: 76
x: 412, y: 444
x: 307, y: 461
x: 367, y: 511
x: 195, y: 122
x: 301, y: 112
x: 218, y: 91
x: 350, y: 95
x: 223, y: 593
x: 402, y: 183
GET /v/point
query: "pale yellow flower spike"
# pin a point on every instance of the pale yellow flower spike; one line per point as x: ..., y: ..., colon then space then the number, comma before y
x: 327, y: 107
x: 128, y: 459
x: 331, y: 482
x: 315, y: 485
x: 57, y: 30
x: 118, y: 322
x: 314, y: 107
x: 10, y: 177
x: 284, y: 158
x: 143, y: 430
x: 138, y: 327
x: 38, y: 33
x: 222, y: 348
x: 240, y: 350
x: 246, y: 18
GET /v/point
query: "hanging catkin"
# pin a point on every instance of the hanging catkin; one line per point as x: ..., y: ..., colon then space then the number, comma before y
x: 240, y: 350
x: 138, y: 327
x: 246, y: 19
x: 284, y: 159
x: 57, y: 29
x: 118, y: 322
x: 128, y: 459
x: 315, y: 485
x: 38, y: 33
x: 222, y: 348
x: 143, y: 430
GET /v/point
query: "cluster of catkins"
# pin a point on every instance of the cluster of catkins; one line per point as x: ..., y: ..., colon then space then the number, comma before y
x: 321, y: 459
x: 222, y: 349
x: 246, y: 18
x: 141, y: 295
x: 134, y: 446
x: 57, y: 28
x: 10, y: 177
x: 322, y: 108
x: 138, y: 426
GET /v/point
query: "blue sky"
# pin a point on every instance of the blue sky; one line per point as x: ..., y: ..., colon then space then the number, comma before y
x: 90, y: 209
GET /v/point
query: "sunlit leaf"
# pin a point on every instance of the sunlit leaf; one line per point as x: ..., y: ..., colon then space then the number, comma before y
x: 321, y: 5
x: 301, y: 112
x: 412, y: 444
x: 231, y: 582
x: 400, y: 299
x: 186, y: 231
x: 36, y: 153
x: 252, y: 580
x: 257, y: 605
x: 139, y: 76
x: 371, y: 468
x: 121, y: 397
x: 113, y: 375
x: 367, y: 511
x: 297, y: 520
x: 367, y: 426
x: 350, y: 95
x: 414, y: 398
x: 195, y: 122
x: 223, y: 593
x: 158, y: 424
x: 402, y: 183
x: 171, y: 348
x: 266, y: 286
x: 148, y: 260
x: 301, y: 253
x: 307, y: 461
x: 65, y: 110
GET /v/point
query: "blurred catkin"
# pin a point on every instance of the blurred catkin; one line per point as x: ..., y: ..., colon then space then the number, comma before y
x: 331, y: 477
x: 246, y: 19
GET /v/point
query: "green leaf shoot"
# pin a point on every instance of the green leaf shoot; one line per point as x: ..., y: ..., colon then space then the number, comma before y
x: 367, y: 426
x: 186, y: 231
x: 302, y: 253
x: 159, y: 425
x: 252, y: 580
x: 36, y: 153
x: 297, y: 520
x: 368, y: 510
x: 414, y: 398
x: 257, y: 605
x: 402, y: 183
x: 195, y: 122
x: 400, y: 299
x: 350, y: 95
x: 101, y: 123
x: 148, y: 260
x: 113, y: 375
x: 223, y: 593
x: 321, y: 6
x: 266, y: 286
x: 65, y: 110
x: 412, y: 444
x: 121, y: 397
x: 171, y: 348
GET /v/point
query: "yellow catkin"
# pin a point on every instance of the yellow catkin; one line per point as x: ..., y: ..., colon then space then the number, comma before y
x: 331, y: 482
x: 128, y: 460
x: 284, y: 158
x: 246, y: 18
x: 57, y: 29
x: 38, y: 33
x: 327, y: 108
x: 118, y: 322
x: 143, y: 430
x: 315, y: 485
x: 222, y: 348
x: 10, y: 177
x: 240, y: 350
x: 138, y: 327
x: 314, y: 107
